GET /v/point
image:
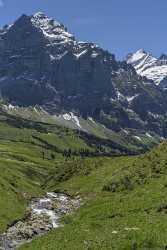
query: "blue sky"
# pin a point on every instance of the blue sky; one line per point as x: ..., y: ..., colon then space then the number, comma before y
x: 121, y: 26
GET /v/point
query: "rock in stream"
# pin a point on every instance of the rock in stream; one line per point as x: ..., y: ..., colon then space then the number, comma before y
x: 44, y: 215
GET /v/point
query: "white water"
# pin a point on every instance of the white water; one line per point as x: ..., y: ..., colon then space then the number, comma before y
x: 45, y: 214
x: 44, y: 207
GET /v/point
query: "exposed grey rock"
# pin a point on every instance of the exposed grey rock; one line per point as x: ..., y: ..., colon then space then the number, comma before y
x: 43, y: 217
x: 41, y: 63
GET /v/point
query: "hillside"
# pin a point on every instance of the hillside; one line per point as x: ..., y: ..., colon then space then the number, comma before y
x: 125, y: 206
x: 30, y: 151
x: 38, y: 157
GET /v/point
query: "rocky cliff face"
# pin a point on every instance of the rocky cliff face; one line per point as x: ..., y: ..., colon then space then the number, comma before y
x: 38, y: 54
x: 42, y: 64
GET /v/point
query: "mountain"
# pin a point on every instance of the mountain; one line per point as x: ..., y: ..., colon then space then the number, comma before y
x: 146, y: 65
x: 72, y: 121
x: 76, y: 84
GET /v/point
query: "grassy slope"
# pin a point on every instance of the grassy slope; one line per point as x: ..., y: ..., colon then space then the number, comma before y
x: 126, y: 138
x: 30, y: 152
x: 118, y: 192
x: 125, y: 206
x: 22, y: 167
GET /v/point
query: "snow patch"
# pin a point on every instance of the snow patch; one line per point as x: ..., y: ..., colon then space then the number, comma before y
x: 9, y: 107
x: 154, y: 115
x: 148, y: 135
x: 75, y: 118
x: 138, y: 138
x: 71, y: 117
x: 131, y: 98
x: 120, y: 95
x: 67, y: 117
x: 125, y: 131
x: 94, y: 54
x: 81, y: 54
x: 91, y: 119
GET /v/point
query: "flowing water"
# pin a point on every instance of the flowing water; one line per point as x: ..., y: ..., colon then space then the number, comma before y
x: 44, y: 215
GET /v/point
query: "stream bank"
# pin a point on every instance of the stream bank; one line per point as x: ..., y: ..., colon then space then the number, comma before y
x: 44, y: 215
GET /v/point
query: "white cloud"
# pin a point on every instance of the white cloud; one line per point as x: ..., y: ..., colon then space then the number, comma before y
x: 1, y: 3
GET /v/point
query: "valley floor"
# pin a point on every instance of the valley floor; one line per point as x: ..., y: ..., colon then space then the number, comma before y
x: 125, y: 206
x: 124, y: 198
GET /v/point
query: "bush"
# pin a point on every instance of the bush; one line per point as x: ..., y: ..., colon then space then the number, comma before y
x: 125, y: 183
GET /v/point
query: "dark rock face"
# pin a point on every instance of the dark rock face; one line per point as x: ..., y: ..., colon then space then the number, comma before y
x: 163, y: 83
x: 37, y: 54
x: 163, y: 57
x: 41, y: 63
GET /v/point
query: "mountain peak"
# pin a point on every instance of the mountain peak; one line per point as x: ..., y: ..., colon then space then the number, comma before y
x: 23, y: 19
x: 139, y: 57
x: 136, y: 56
x: 148, y: 65
x: 41, y: 27
x: 38, y: 20
x: 141, y: 51
x: 42, y: 20
x: 40, y: 15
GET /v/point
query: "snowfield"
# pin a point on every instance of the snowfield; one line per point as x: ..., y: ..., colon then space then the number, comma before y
x: 148, y: 66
